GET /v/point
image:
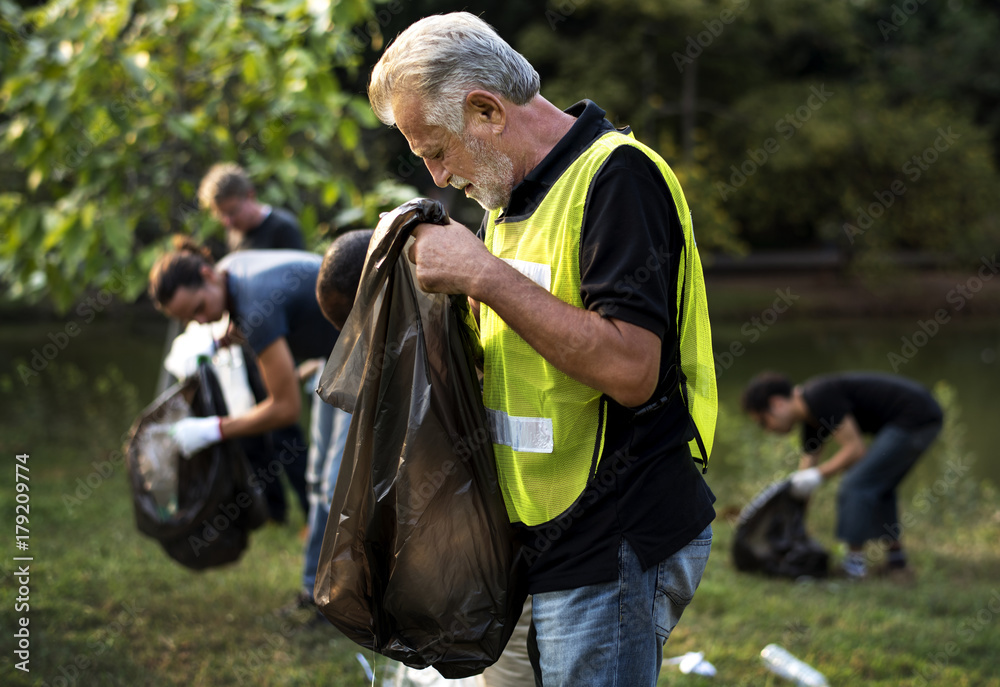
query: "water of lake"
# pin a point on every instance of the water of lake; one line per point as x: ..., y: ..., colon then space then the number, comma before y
x: 964, y: 353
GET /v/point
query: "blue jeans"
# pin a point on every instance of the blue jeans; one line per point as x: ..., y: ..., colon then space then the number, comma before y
x: 613, y: 633
x: 866, y: 501
x: 327, y: 437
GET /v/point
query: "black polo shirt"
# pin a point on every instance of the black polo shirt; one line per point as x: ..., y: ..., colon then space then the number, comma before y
x: 874, y: 399
x: 647, y: 488
x: 279, y: 229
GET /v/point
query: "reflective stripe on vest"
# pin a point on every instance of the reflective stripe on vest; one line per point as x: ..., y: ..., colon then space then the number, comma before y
x: 548, y: 429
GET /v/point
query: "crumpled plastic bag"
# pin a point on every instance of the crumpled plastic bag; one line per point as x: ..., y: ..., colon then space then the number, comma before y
x: 771, y: 536
x: 692, y: 662
x: 419, y: 561
x: 230, y: 363
x: 194, y: 343
x: 425, y: 677
x: 214, y: 507
x: 156, y: 458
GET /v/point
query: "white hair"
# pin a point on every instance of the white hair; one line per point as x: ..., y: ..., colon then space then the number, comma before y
x: 441, y: 59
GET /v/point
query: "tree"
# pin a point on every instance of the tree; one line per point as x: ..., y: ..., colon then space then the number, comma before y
x: 113, y: 111
x: 737, y: 95
x: 836, y: 163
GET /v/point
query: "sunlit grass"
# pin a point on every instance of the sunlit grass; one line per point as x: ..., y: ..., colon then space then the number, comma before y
x: 108, y: 607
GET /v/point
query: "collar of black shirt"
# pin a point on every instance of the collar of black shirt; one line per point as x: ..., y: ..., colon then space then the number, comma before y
x: 590, y: 124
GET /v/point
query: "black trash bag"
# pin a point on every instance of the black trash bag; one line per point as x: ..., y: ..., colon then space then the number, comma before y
x: 419, y: 561
x: 206, y: 520
x: 771, y: 536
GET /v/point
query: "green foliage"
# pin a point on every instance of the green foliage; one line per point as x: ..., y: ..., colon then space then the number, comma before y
x: 718, y: 80
x: 113, y: 111
x: 856, y: 171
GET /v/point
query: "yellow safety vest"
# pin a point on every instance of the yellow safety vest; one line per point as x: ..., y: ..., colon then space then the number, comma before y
x: 548, y: 429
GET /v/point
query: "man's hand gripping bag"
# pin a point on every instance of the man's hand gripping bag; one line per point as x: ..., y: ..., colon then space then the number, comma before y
x: 419, y: 561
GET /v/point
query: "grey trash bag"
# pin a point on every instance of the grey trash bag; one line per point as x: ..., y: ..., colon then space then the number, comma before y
x: 419, y: 561
x: 771, y: 536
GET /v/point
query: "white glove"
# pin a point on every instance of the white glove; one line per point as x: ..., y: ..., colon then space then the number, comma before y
x: 196, y: 341
x: 805, y: 482
x: 193, y: 434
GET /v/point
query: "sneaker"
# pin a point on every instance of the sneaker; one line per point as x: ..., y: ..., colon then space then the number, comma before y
x: 842, y: 573
x: 853, y: 567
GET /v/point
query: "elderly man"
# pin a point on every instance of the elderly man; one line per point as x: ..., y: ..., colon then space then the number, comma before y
x: 588, y: 286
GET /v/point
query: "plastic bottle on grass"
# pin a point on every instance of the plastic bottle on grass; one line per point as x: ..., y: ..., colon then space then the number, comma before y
x: 785, y: 665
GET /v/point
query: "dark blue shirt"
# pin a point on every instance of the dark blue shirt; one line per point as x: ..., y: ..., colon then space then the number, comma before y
x: 272, y: 294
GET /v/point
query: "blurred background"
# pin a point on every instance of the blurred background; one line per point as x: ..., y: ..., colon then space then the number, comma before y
x: 840, y: 161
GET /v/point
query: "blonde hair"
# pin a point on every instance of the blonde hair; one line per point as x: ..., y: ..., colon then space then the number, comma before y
x: 223, y: 180
x: 444, y: 57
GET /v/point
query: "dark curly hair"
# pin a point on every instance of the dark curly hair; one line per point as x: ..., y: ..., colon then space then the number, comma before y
x: 180, y: 267
x: 757, y: 394
x: 340, y: 274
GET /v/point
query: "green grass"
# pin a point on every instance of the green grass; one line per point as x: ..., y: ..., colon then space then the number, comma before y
x: 108, y: 607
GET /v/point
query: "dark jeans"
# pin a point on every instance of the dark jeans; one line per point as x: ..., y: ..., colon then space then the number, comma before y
x: 270, y: 455
x: 866, y: 502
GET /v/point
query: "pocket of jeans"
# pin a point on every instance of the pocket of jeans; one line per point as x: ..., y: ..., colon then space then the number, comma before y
x: 677, y: 580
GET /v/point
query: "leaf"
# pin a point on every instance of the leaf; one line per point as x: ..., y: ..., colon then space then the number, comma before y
x: 348, y: 133
x: 118, y: 235
x: 307, y: 218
